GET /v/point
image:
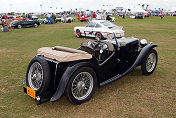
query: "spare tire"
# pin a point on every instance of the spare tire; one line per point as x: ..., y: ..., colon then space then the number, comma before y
x: 38, y: 76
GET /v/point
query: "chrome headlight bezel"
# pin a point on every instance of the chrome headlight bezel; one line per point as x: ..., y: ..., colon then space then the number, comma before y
x: 143, y: 42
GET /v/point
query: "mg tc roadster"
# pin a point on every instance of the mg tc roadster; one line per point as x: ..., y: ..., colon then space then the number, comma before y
x: 75, y: 73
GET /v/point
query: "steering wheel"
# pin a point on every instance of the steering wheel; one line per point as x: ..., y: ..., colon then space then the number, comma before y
x: 101, y: 50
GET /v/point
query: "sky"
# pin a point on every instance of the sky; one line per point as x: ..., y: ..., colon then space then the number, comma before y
x: 59, y: 5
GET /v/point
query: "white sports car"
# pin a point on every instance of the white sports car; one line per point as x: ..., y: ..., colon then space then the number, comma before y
x: 100, y: 29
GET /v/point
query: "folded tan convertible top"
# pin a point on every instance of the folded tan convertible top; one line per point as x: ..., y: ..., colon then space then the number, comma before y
x: 63, y: 54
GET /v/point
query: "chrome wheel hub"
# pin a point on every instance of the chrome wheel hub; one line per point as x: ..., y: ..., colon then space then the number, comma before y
x: 35, y: 76
x: 82, y: 85
x: 151, y: 62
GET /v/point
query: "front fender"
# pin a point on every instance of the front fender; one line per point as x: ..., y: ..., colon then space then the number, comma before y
x: 65, y: 78
x: 141, y: 55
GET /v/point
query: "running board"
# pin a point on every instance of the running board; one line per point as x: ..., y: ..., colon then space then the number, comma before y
x: 110, y: 80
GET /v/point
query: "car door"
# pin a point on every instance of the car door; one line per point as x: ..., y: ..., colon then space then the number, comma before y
x: 25, y: 23
x: 30, y: 23
x: 90, y: 28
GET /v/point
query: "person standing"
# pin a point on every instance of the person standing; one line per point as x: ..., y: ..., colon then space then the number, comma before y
x: 94, y: 15
x: 99, y: 16
x: 53, y: 18
x: 5, y: 17
x: 49, y: 18
x: 4, y: 26
x: 104, y: 16
x: 162, y: 16
x: 65, y: 17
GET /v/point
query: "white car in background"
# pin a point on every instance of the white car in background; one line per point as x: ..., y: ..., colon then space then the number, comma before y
x: 100, y: 29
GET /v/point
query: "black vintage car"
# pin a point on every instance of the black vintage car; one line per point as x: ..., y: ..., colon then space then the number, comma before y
x: 77, y: 72
x: 26, y: 23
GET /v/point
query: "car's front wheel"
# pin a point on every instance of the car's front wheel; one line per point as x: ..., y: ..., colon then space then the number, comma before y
x: 149, y: 62
x: 35, y: 25
x: 81, y: 85
x: 19, y: 26
x: 78, y: 33
x: 98, y: 36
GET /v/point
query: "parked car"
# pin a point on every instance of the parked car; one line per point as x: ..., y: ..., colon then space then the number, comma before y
x: 109, y: 18
x: 43, y: 21
x: 34, y: 18
x: 83, y: 18
x: 18, y: 19
x: 174, y: 14
x: 161, y: 15
x: 10, y: 17
x: 147, y: 14
x: 58, y: 71
x: 27, y: 23
x: 100, y: 29
x: 68, y: 19
x: 139, y: 16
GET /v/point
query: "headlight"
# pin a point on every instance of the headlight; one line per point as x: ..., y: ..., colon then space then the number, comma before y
x: 143, y: 42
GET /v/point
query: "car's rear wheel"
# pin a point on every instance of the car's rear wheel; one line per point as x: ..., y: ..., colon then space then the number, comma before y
x: 19, y: 26
x: 35, y: 25
x: 149, y: 62
x: 78, y: 33
x: 81, y: 85
x: 38, y: 75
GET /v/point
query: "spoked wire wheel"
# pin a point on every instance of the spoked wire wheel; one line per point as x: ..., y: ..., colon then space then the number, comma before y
x: 38, y: 75
x: 149, y: 62
x: 82, y: 85
x: 35, y: 76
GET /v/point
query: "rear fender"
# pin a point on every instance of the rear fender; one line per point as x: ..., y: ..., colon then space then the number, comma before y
x: 65, y: 78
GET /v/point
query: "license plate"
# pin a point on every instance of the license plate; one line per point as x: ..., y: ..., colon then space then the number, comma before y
x: 30, y: 92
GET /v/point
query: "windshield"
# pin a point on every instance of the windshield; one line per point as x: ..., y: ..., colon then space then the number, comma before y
x: 108, y: 24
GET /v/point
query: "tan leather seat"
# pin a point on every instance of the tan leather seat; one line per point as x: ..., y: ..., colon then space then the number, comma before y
x: 63, y: 54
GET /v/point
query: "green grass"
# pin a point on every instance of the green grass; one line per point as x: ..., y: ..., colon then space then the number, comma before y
x: 134, y: 95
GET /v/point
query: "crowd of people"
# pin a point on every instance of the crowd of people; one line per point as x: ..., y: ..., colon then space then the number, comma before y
x: 5, y: 25
x: 101, y: 16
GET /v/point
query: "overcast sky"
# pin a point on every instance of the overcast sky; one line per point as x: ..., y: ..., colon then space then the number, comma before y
x: 58, y: 5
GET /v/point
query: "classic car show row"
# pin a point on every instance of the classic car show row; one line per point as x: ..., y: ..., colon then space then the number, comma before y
x: 103, y: 57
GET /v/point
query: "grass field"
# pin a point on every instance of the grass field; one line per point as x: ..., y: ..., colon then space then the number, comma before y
x: 134, y: 95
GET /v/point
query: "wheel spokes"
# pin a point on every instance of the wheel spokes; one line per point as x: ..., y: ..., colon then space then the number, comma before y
x: 81, y: 86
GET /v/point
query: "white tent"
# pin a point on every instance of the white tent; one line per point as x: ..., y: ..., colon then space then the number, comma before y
x: 137, y: 10
x: 173, y: 9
